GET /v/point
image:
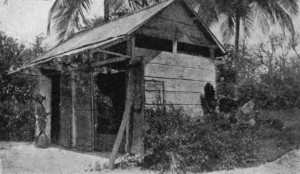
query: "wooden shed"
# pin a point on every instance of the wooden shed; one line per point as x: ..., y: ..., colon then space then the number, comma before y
x: 100, y: 81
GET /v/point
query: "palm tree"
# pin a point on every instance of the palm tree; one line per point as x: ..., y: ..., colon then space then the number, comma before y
x: 69, y: 15
x: 242, y: 14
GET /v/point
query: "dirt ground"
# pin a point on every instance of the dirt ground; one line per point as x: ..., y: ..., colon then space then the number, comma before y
x: 24, y: 158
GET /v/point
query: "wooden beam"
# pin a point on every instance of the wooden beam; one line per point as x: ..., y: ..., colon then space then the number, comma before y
x: 74, y: 119
x: 129, y: 127
x: 109, y: 61
x: 124, y: 123
x: 108, y: 52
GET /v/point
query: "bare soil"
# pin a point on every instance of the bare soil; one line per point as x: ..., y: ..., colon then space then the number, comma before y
x: 25, y: 158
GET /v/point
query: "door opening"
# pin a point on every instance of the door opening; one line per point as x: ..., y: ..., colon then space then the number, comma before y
x: 55, y: 109
x: 110, y: 103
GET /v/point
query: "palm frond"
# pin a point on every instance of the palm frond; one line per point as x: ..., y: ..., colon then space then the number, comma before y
x: 248, y: 20
x: 67, y: 15
x: 227, y: 28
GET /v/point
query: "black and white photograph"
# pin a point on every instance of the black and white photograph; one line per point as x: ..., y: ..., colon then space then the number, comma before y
x: 149, y: 87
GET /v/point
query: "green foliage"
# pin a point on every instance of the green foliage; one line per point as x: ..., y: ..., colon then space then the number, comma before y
x: 16, y: 91
x: 205, y: 144
x: 201, y: 145
x: 267, y: 73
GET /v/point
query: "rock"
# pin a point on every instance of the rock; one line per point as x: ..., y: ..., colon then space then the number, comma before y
x: 251, y: 122
x: 246, y: 114
x: 42, y: 141
x: 247, y: 108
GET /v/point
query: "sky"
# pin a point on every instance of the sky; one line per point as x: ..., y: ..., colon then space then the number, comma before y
x: 26, y: 19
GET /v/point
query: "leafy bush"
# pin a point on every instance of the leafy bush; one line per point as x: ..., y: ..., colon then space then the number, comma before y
x: 199, y: 145
x: 267, y: 73
x: 205, y: 144
x: 16, y: 91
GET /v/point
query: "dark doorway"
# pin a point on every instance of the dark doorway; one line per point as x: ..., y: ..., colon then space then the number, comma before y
x: 55, y: 110
x: 110, y: 101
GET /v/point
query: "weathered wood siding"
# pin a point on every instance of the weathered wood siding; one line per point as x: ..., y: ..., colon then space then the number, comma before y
x: 138, y: 108
x: 176, y: 79
x: 174, y: 23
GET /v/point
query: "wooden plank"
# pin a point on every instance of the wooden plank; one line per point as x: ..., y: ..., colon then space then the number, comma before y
x: 165, y: 71
x: 174, y: 31
x: 174, y: 85
x: 74, y: 120
x: 183, y: 60
x: 177, y: 24
x: 138, y: 109
x: 129, y: 126
x: 124, y: 123
x: 109, y: 61
x: 181, y: 14
x: 184, y: 98
x: 108, y: 52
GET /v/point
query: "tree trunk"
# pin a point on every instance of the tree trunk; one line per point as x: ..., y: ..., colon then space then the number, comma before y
x: 237, y: 32
x: 106, y: 10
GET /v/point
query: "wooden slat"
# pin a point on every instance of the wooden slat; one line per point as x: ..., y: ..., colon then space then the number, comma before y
x: 183, y: 98
x: 109, y: 61
x: 183, y: 60
x: 108, y: 52
x: 175, y: 85
x: 74, y: 120
x: 165, y: 71
x: 125, y: 119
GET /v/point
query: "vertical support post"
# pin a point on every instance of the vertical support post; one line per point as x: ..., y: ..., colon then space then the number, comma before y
x: 212, y: 56
x: 124, y: 123
x: 92, y: 83
x: 74, y: 119
x: 212, y: 53
x: 106, y: 10
x: 129, y: 126
x: 175, y: 43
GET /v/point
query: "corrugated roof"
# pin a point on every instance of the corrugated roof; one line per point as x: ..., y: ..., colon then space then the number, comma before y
x: 113, y: 29
x: 108, y: 32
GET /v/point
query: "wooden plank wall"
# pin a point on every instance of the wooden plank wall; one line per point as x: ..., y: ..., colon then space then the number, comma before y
x: 176, y: 79
x: 179, y: 26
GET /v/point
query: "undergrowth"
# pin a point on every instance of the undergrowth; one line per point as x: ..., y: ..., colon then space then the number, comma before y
x: 209, y: 144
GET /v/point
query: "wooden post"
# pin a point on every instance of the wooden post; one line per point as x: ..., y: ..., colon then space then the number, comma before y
x: 106, y: 10
x: 175, y: 46
x: 212, y: 53
x: 129, y: 126
x: 124, y: 123
x: 74, y: 120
